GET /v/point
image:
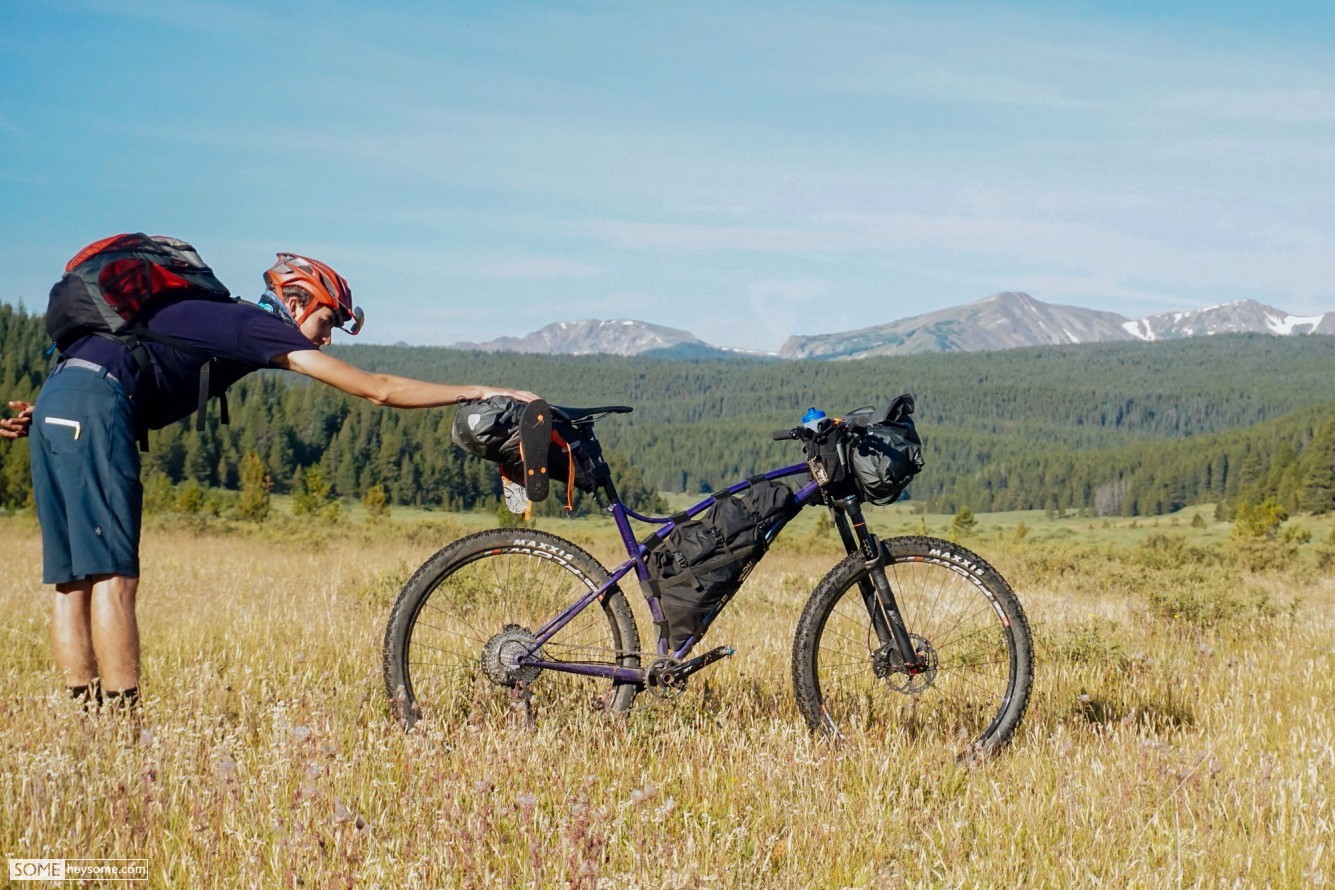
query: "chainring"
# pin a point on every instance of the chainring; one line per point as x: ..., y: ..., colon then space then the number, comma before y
x: 660, y: 681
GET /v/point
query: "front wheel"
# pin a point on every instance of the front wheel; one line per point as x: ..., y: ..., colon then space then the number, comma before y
x: 974, y: 657
x: 464, y: 621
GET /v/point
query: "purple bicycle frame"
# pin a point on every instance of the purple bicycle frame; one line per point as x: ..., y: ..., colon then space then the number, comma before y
x: 636, y: 552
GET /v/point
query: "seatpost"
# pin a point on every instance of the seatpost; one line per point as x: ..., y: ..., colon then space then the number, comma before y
x: 610, y: 490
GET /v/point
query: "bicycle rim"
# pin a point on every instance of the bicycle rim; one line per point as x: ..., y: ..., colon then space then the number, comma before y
x: 968, y: 628
x: 451, y: 642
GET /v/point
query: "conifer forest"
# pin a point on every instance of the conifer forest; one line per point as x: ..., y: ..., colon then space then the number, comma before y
x: 1126, y: 429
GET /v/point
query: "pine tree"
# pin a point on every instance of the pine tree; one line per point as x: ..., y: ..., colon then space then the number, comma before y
x: 189, y: 497
x: 254, y: 503
x: 1259, y: 520
x: 1316, y: 493
x: 964, y: 523
x: 376, y: 503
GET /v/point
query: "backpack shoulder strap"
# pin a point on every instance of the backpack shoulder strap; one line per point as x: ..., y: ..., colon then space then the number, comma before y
x: 141, y: 332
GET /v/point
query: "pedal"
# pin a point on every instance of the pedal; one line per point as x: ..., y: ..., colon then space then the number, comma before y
x: 535, y: 439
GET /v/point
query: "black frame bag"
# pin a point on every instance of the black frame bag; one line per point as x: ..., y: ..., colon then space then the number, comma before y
x: 702, y: 562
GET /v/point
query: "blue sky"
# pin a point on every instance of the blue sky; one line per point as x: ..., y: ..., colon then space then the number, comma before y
x: 744, y: 171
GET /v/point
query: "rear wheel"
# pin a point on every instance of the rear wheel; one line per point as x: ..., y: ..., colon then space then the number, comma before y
x: 974, y: 652
x: 466, y: 617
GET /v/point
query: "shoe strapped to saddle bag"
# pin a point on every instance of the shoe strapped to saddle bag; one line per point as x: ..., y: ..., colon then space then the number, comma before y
x: 490, y: 429
x: 699, y: 565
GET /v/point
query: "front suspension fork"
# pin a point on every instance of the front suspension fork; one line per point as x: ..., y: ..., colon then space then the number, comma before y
x: 875, y: 586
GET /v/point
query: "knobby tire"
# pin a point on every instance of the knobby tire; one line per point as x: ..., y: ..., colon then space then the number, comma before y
x: 475, y: 588
x: 960, y: 609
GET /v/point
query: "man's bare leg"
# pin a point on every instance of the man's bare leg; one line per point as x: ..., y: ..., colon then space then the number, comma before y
x: 115, y: 633
x: 72, y: 635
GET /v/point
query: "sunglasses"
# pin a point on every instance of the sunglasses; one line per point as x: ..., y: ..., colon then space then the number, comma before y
x: 355, y: 322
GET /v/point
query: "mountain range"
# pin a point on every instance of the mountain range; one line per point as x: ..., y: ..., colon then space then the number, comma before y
x: 620, y: 336
x: 1002, y: 321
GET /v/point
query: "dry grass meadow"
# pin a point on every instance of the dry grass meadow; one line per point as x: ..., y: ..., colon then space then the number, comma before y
x: 1180, y: 733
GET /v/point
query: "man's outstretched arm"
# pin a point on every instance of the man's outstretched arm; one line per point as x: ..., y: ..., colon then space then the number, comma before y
x: 388, y: 389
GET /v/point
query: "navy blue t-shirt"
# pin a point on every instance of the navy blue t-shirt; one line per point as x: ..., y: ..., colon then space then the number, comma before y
x: 242, y: 336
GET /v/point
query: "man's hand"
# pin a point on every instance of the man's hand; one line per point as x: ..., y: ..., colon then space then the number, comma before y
x: 519, y: 395
x: 16, y: 427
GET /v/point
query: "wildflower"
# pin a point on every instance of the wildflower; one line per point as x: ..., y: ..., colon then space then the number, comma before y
x: 226, y: 769
x: 341, y: 812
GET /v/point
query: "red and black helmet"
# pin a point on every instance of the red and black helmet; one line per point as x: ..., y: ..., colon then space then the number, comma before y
x: 326, y: 287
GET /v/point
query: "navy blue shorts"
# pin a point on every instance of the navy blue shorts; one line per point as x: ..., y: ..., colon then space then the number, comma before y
x: 85, y: 476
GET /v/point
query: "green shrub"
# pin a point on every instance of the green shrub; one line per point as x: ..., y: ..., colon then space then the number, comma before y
x: 964, y: 524
x: 376, y: 502
x: 1204, y: 607
x: 1256, y: 521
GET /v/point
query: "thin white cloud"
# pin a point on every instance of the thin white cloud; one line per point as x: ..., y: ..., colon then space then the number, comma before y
x: 8, y: 125
x: 1070, y: 250
x: 704, y: 237
x: 535, y: 268
x: 782, y: 307
x: 1295, y: 105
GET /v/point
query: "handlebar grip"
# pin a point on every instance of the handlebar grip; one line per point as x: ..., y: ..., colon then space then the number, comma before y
x: 780, y: 435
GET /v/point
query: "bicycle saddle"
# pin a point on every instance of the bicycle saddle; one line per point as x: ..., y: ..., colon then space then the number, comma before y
x: 577, y: 414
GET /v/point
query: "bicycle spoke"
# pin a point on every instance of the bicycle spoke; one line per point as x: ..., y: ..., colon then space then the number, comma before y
x: 959, y: 688
x: 461, y: 634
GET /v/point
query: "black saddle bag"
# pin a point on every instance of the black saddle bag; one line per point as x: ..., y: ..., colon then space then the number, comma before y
x: 490, y: 429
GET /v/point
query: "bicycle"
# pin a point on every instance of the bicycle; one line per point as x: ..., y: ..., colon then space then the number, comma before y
x: 915, y: 633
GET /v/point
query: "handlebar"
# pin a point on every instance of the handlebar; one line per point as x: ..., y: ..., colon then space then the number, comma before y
x: 854, y: 422
x: 806, y: 434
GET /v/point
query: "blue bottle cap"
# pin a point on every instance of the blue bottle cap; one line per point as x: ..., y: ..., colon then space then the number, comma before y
x: 813, y: 415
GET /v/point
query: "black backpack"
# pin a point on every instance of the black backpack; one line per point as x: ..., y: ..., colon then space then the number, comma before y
x: 109, y: 284
x: 701, y: 563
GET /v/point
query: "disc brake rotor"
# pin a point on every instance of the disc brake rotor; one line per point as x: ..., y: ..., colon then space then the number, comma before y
x: 888, y: 665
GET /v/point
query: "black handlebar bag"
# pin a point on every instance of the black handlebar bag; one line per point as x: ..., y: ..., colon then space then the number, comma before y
x: 886, y: 453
